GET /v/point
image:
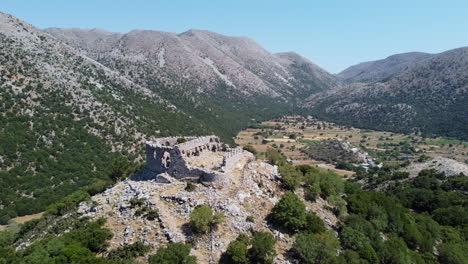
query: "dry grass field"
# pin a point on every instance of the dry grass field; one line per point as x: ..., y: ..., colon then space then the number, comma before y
x: 22, y: 219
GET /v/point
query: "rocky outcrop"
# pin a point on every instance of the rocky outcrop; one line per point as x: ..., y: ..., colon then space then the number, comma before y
x: 253, y: 191
x: 441, y: 164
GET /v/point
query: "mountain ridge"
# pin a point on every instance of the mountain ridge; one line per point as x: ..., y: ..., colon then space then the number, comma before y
x: 428, y: 97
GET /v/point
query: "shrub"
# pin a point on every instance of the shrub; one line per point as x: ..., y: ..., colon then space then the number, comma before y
x: 312, y: 192
x: 453, y: 253
x: 202, y: 219
x: 250, y: 149
x: 120, y: 169
x: 181, y: 140
x: 274, y: 157
x: 314, y: 224
x: 290, y: 177
x: 190, y: 187
x: 129, y: 251
x: 152, y: 214
x: 236, y: 253
x: 316, y: 248
x: 290, y: 212
x: 135, y: 202
x: 174, y: 253
x: 262, y: 250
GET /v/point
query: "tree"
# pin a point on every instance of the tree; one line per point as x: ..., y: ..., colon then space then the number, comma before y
x: 262, y: 250
x: 128, y: 252
x: 174, y: 253
x: 202, y: 219
x: 312, y: 192
x: 290, y: 212
x: 339, y: 204
x: 237, y: 253
x: 453, y: 215
x: 316, y: 248
x: 250, y: 149
x: 453, y: 253
x: 274, y: 157
x: 290, y: 176
x: 120, y: 168
x: 314, y: 224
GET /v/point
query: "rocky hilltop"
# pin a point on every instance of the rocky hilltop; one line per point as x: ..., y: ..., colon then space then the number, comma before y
x: 245, y: 193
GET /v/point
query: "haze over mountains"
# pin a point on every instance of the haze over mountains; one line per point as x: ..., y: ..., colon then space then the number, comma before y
x: 71, y: 98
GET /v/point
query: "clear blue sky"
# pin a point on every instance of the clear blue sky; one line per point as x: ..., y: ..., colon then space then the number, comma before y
x: 334, y: 34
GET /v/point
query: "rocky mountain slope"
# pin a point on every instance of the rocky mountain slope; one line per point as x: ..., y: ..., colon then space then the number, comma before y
x: 422, y: 93
x: 382, y: 69
x: 199, y: 58
x: 227, y: 80
x: 63, y: 116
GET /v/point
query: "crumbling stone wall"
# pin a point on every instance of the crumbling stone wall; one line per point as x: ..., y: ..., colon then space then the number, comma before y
x: 233, y: 156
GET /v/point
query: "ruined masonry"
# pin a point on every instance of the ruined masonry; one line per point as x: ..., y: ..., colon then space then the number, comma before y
x: 199, y: 159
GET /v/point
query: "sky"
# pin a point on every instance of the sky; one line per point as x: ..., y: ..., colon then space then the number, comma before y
x: 333, y: 34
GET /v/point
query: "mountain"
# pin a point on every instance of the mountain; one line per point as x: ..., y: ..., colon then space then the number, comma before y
x: 199, y: 58
x: 382, y: 69
x: 227, y: 80
x: 427, y: 94
x: 72, y: 100
x: 64, y: 118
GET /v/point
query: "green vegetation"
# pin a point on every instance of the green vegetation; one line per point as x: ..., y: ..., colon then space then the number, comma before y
x: 250, y: 149
x: 174, y: 253
x: 376, y: 227
x: 181, y: 140
x: 261, y: 249
x: 316, y: 248
x: 237, y: 252
x: 290, y: 213
x: 128, y: 252
x: 330, y: 151
x: 77, y: 246
x: 190, y: 187
x: 274, y: 157
x: 202, y: 219
x: 445, y: 141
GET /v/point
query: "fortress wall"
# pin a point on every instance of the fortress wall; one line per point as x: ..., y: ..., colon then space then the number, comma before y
x: 233, y: 156
x: 199, y: 144
x: 164, y: 155
x: 170, y: 141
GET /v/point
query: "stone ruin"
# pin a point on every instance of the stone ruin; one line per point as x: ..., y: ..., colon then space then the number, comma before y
x: 167, y: 157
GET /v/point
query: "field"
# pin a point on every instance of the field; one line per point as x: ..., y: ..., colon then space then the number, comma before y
x: 22, y: 219
x: 291, y: 133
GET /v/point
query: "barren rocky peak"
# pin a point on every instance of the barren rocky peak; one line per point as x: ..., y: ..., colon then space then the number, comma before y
x: 205, y: 58
x: 293, y: 59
